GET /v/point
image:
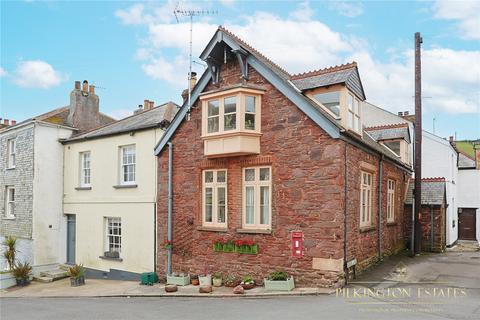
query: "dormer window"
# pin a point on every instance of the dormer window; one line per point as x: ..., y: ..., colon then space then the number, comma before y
x: 341, y: 103
x: 330, y: 100
x: 231, y: 121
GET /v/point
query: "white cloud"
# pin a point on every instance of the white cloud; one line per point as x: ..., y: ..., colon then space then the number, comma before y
x: 451, y: 77
x: 132, y: 16
x: 466, y: 13
x: 303, y: 13
x: 3, y: 72
x: 120, y: 113
x: 347, y: 9
x: 228, y: 3
x: 37, y: 74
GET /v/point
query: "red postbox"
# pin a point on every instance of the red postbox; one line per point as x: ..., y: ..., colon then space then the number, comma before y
x: 297, y: 244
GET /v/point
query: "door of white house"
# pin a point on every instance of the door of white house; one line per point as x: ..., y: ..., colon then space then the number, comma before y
x: 71, y: 238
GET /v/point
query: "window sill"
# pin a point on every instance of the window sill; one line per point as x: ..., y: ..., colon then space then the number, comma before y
x: 214, y: 229
x: 113, y: 259
x: 11, y: 168
x: 258, y: 231
x: 83, y: 188
x: 366, y: 229
x: 391, y: 223
x: 125, y: 186
x: 9, y: 218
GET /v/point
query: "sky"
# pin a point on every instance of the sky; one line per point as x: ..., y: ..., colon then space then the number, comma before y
x: 136, y: 50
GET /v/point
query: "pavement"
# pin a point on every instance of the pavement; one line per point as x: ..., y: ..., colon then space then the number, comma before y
x: 113, y: 288
x: 429, y: 286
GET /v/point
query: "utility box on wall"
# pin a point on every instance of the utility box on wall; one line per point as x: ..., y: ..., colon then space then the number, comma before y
x: 297, y: 244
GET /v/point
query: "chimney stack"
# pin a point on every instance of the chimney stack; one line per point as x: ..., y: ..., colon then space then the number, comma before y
x: 400, y: 113
x: 6, y: 122
x: 14, y: 122
x: 84, y: 111
x: 406, y: 113
x: 450, y: 139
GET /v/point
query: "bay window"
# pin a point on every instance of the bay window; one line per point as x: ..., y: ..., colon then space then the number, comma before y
x: 214, y: 198
x: 231, y: 122
x: 257, y: 195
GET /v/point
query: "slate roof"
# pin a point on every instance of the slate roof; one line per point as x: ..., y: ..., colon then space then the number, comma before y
x: 465, y: 161
x: 433, y: 192
x: 144, y: 120
x: 346, y: 73
x: 59, y: 116
x: 390, y: 132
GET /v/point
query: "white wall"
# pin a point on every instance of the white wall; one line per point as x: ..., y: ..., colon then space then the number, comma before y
x: 439, y: 159
x: 49, y: 224
x: 135, y: 206
x: 468, y: 191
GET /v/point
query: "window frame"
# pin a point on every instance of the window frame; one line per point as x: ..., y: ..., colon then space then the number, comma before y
x: 108, y: 235
x: 327, y: 109
x: 256, y: 184
x: 122, y: 180
x: 83, y: 169
x: 240, y: 95
x: 391, y: 194
x: 11, y: 153
x: 9, y: 204
x: 368, y: 188
x: 215, y: 185
x: 351, y: 112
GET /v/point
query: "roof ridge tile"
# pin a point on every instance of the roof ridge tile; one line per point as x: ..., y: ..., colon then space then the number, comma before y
x: 387, y: 126
x: 318, y: 72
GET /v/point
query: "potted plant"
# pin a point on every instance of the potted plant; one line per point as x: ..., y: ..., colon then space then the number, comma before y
x: 22, y: 272
x: 247, y: 283
x: 194, y: 280
x: 77, y: 275
x: 279, y: 281
x: 205, y: 278
x: 181, y: 279
x: 7, y: 279
x: 217, y: 279
x: 231, y: 281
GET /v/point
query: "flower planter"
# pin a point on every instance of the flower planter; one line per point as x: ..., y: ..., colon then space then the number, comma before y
x: 278, y: 285
x: 229, y: 247
x: 205, y: 280
x: 217, y: 282
x: 7, y: 280
x: 23, y: 282
x: 76, y: 282
x: 179, y: 280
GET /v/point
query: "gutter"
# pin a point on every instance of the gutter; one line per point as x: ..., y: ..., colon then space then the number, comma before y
x: 379, y: 211
x: 170, y: 206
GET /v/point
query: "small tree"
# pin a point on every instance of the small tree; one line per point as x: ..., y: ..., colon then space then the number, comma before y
x: 11, y: 251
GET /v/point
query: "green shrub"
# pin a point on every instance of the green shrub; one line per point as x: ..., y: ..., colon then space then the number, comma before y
x: 22, y: 271
x: 278, y: 276
x: 76, y: 271
x: 11, y: 251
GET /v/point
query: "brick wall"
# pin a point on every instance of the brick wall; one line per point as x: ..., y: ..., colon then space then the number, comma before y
x: 307, y: 195
x: 22, y: 179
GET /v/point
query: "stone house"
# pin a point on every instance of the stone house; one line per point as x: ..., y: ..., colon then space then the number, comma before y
x: 281, y: 163
x: 110, y: 194
x: 31, y: 178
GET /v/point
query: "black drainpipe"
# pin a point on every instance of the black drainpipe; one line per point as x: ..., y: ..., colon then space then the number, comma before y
x: 379, y: 217
x: 345, y: 217
x: 431, y: 228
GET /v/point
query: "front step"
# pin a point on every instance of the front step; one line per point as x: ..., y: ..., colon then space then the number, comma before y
x: 56, y: 274
x: 64, y: 267
x: 43, y: 279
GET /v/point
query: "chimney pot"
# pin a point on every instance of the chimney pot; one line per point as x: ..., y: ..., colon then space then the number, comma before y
x: 146, y: 104
x: 91, y: 89
x: 85, y: 86
x: 14, y: 122
x: 152, y: 104
x: 6, y: 122
x: 451, y: 138
x: 77, y: 85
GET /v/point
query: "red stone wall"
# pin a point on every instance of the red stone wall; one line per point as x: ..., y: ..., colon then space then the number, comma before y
x: 307, y: 195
